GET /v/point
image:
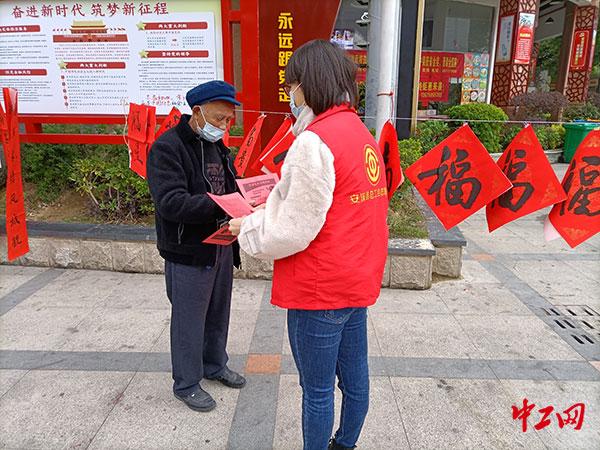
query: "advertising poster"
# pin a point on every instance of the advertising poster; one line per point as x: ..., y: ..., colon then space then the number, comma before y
x: 343, y: 38
x: 580, y: 50
x: 524, y: 42
x: 475, y: 77
x: 436, y: 70
x: 360, y: 59
x: 96, y: 57
x: 504, y: 51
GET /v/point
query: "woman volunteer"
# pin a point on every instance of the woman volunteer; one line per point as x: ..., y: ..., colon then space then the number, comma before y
x: 325, y: 225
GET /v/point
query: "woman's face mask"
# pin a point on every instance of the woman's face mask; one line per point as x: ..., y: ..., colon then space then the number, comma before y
x: 296, y: 110
x: 209, y: 131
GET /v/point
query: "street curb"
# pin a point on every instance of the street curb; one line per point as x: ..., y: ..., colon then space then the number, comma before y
x: 127, y: 248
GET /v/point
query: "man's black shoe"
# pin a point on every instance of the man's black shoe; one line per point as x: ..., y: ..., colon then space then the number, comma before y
x: 231, y: 379
x: 335, y: 446
x: 199, y: 400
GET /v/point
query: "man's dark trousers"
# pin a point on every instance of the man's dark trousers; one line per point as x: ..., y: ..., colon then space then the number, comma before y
x: 200, y: 303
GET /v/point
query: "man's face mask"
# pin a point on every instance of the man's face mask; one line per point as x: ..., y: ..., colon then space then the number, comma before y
x: 296, y: 110
x: 209, y: 131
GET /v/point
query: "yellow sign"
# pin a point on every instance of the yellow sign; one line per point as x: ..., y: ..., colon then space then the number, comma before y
x: 372, y: 165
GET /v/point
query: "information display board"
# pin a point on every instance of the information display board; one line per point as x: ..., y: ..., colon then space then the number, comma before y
x: 92, y: 57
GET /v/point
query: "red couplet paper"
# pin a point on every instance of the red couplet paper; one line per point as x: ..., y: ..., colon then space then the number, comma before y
x: 138, y: 152
x: 388, y: 145
x: 141, y: 128
x: 233, y: 204
x: 170, y: 121
x: 16, y: 226
x: 249, y: 151
x: 221, y: 237
x: 276, y: 150
x: 578, y: 217
x: 535, y: 185
x: 457, y: 177
x: 151, y: 124
x: 137, y: 122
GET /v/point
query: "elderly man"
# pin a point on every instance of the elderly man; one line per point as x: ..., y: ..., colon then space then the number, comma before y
x: 184, y: 164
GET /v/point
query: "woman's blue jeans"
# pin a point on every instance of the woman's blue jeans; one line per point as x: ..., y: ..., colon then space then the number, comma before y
x: 326, y: 343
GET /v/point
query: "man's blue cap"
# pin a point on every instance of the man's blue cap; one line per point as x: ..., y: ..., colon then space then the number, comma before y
x: 211, y: 91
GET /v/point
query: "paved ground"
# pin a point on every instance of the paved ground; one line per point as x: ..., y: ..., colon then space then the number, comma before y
x: 84, y: 357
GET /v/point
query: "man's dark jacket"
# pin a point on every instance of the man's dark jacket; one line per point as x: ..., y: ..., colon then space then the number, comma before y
x: 185, y: 214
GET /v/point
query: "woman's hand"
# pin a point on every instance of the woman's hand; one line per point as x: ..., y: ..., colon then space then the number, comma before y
x: 261, y: 206
x: 235, y: 226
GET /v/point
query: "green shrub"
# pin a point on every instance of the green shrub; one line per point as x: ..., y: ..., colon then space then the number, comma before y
x: 431, y: 133
x: 551, y: 137
x: 594, y: 97
x: 538, y: 105
x: 48, y: 167
x: 410, y: 151
x: 362, y: 96
x: 2, y: 168
x: 115, y: 191
x: 582, y: 112
x: 508, y: 135
x: 236, y: 130
x: 489, y: 133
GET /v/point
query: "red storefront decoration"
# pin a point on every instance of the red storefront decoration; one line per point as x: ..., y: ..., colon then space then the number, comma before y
x: 388, y: 145
x: 535, y: 185
x: 578, y: 217
x: 458, y: 177
x: 436, y: 70
x: 16, y: 226
x: 580, y: 50
x: 360, y: 59
x: 524, y: 41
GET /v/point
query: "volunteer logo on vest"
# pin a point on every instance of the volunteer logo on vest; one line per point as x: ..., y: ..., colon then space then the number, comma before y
x: 372, y: 165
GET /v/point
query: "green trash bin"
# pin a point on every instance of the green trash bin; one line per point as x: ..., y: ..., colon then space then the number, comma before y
x: 575, y: 133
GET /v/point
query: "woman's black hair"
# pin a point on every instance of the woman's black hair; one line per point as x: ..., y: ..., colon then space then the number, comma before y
x: 327, y: 75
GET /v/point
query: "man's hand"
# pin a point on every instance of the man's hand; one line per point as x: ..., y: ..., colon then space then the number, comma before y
x: 235, y: 225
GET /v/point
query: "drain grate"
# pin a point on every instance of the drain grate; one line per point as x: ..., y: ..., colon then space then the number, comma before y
x: 577, y: 324
x: 583, y: 339
x: 576, y: 311
x: 564, y: 323
x: 592, y: 326
x: 551, y: 311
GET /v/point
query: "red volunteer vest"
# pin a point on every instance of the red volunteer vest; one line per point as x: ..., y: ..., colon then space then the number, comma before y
x: 343, y: 267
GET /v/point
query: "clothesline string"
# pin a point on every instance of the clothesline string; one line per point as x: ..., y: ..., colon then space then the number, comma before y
x: 424, y: 119
x: 418, y: 119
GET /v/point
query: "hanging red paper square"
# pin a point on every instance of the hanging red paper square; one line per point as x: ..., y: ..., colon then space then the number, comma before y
x: 388, y: 145
x: 276, y: 150
x: 137, y: 122
x: 150, y: 124
x: 249, y: 151
x: 457, y: 177
x: 170, y: 121
x: 535, y: 184
x: 578, y: 217
x: 226, y: 138
x: 138, y: 152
